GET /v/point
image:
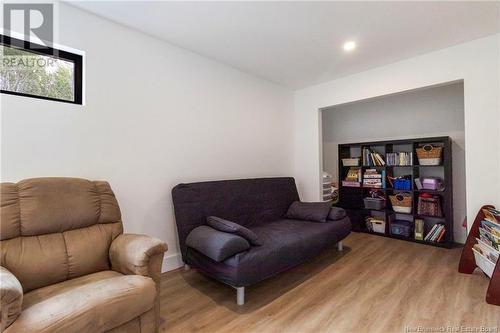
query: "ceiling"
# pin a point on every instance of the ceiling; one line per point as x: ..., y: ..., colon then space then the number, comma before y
x: 298, y: 44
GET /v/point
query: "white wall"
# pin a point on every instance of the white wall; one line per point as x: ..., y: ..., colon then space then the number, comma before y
x: 427, y: 112
x: 476, y: 62
x: 155, y: 115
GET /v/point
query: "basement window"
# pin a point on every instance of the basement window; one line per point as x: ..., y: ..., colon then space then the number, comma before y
x: 37, y: 71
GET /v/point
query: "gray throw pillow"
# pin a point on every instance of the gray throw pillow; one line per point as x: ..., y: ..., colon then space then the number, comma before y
x: 309, y: 211
x: 215, y: 244
x: 336, y: 213
x: 233, y: 228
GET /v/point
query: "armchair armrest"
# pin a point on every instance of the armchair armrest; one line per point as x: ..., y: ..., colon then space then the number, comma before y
x: 11, y: 298
x: 133, y: 254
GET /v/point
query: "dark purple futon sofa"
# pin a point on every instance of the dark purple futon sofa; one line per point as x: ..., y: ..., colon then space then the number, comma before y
x: 261, y: 206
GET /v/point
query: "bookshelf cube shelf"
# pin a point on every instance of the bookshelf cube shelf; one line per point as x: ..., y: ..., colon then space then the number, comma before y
x: 352, y: 195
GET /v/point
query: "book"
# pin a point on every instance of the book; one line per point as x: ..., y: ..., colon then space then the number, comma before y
x: 489, y: 252
x: 372, y: 179
x: 379, y: 159
x: 418, y: 184
x: 436, y: 234
x: 441, y: 234
x: 419, y: 229
x: 492, y: 215
x: 353, y: 178
x: 495, y: 212
x: 491, y: 227
x: 353, y: 175
x: 399, y: 159
x: 489, y: 238
x: 374, y: 175
x: 372, y: 158
x: 346, y: 183
x: 433, y: 229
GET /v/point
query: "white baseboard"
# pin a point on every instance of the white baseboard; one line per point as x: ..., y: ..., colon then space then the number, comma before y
x: 171, y: 262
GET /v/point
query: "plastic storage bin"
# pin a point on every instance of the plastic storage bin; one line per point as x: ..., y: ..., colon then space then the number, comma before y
x: 432, y: 183
x: 402, y: 184
x: 350, y: 161
x: 401, y: 228
x: 374, y: 203
x: 378, y: 226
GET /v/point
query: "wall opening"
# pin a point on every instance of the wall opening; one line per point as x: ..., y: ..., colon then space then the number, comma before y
x: 426, y: 112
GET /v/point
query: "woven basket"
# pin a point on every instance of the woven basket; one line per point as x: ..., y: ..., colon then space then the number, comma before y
x: 429, y: 151
x: 401, y: 200
x: 429, y: 205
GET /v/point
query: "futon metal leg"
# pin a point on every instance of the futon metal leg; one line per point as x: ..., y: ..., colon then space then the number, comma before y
x: 240, y: 295
x: 186, y: 267
x: 340, y: 247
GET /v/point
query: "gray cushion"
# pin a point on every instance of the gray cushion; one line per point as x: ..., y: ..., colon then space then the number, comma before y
x: 336, y: 213
x: 233, y: 228
x: 215, y: 244
x: 309, y: 211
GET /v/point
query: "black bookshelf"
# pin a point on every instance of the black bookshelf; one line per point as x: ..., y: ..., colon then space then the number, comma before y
x: 351, y: 198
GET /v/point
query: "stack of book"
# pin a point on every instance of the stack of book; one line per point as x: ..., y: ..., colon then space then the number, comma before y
x: 372, y: 158
x: 486, y: 251
x: 436, y: 234
x: 353, y: 178
x: 374, y: 179
x: 401, y: 158
x: 487, y: 248
x: 489, y: 230
x: 327, y: 187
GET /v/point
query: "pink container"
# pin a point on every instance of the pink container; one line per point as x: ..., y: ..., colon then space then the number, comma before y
x: 432, y: 183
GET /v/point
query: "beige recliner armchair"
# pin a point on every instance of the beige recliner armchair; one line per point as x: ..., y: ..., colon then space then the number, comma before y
x: 66, y: 265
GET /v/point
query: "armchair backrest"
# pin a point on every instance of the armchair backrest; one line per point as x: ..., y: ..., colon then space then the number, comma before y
x: 55, y: 229
x: 243, y: 201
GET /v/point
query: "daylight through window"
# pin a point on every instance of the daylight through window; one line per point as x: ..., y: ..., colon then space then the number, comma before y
x: 31, y: 70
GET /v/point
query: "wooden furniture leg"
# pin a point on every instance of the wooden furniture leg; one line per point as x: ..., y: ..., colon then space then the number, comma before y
x: 493, y: 292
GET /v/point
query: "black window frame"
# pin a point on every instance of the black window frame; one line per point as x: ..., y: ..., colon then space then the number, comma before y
x: 76, y: 59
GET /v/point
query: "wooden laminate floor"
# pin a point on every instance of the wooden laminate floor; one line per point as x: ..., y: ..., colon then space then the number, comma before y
x: 376, y: 285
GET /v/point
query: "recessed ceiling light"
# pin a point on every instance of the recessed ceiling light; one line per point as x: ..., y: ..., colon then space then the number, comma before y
x: 349, y: 45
